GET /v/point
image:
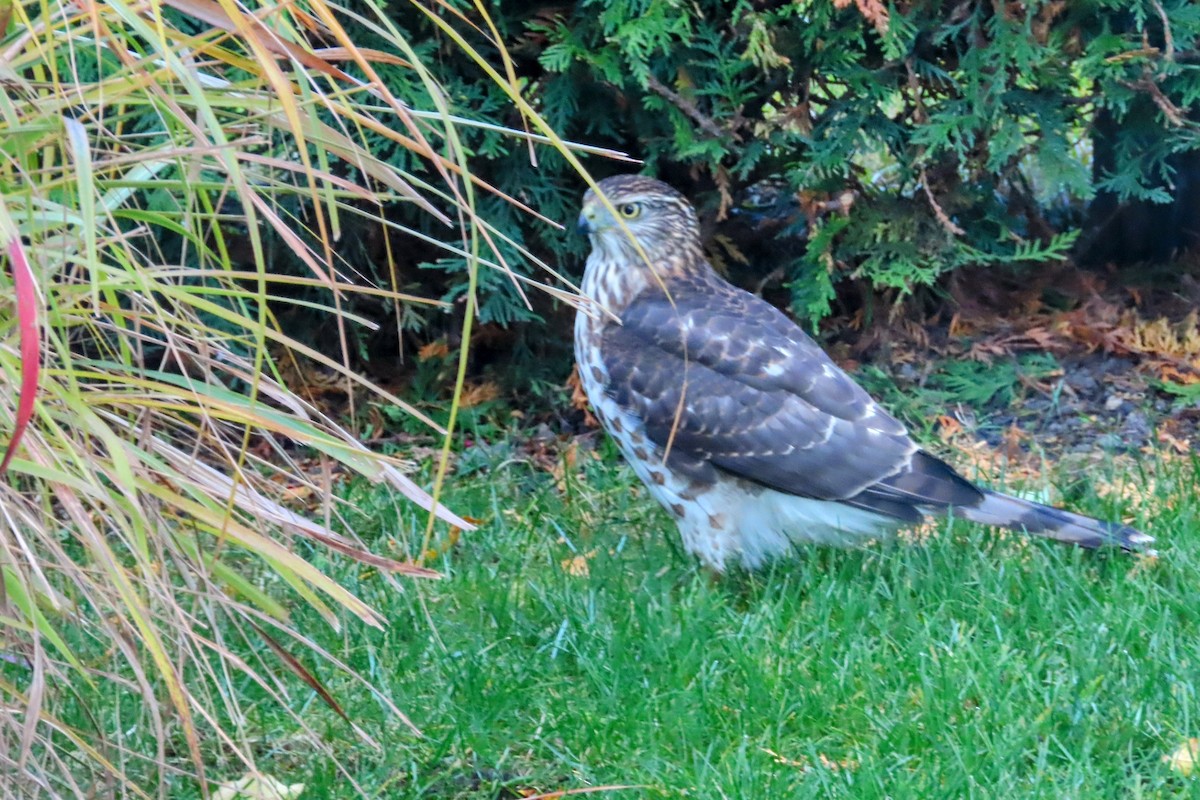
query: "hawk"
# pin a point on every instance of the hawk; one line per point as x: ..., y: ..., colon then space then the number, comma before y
x: 737, y: 422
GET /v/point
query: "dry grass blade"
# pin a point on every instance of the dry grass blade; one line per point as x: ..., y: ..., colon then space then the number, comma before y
x: 293, y: 664
x: 155, y: 157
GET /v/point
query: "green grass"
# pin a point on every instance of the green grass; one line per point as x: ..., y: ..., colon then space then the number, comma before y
x: 970, y: 666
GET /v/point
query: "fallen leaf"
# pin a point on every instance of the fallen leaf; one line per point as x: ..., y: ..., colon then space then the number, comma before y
x: 297, y: 492
x: 577, y: 566
x: 1173, y: 373
x: 1013, y: 437
x: 262, y: 787
x: 1181, y: 446
x: 1183, y: 760
x: 948, y: 427
x: 579, y: 399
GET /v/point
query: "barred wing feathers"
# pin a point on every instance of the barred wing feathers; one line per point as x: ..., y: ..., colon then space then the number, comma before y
x: 727, y: 382
x: 730, y: 383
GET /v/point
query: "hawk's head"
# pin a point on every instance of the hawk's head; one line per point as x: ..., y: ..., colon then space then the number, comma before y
x: 661, y: 220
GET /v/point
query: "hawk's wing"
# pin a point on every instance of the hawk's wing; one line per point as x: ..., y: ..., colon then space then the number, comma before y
x: 723, y: 378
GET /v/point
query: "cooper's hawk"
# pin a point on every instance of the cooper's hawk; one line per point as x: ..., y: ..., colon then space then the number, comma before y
x: 736, y: 420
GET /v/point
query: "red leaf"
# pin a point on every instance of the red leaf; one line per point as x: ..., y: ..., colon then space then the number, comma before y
x: 27, y: 318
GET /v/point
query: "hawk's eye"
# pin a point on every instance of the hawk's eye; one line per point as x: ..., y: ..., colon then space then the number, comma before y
x: 630, y: 210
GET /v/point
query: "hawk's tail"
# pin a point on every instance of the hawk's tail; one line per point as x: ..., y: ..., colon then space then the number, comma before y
x: 1006, y: 511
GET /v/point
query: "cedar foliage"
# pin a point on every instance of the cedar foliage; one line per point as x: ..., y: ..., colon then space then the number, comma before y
x: 832, y: 140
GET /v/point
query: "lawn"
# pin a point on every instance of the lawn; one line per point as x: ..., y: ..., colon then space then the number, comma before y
x: 571, y: 644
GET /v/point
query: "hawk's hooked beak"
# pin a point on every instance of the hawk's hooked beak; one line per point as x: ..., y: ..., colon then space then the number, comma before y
x: 587, y: 217
x: 590, y: 215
